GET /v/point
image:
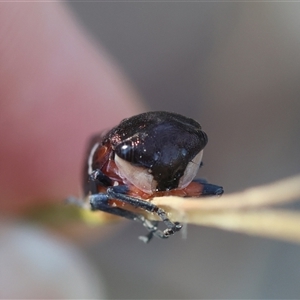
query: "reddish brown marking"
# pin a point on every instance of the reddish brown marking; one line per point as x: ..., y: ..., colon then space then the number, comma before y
x: 194, y: 189
x: 102, y: 160
x: 100, y: 157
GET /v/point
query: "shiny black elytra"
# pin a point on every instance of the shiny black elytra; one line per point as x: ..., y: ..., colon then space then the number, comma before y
x: 148, y: 155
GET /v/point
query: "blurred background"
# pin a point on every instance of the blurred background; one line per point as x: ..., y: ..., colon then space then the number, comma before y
x: 234, y: 67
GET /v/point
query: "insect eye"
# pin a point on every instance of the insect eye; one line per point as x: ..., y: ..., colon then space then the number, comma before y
x: 125, y: 151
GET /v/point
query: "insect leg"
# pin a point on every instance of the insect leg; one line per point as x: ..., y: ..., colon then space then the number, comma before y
x: 97, y: 178
x: 209, y: 189
x: 99, y: 202
x: 119, y: 193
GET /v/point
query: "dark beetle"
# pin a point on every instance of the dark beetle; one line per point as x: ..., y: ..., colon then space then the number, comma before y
x: 148, y: 155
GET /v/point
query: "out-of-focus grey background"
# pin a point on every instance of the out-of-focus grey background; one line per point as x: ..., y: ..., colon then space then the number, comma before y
x: 235, y: 68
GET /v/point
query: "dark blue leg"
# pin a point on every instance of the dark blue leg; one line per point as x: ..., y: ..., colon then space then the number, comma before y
x: 119, y: 193
x: 99, y: 202
x: 209, y: 189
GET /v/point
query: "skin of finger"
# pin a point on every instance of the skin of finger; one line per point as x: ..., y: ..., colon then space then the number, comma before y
x: 56, y: 89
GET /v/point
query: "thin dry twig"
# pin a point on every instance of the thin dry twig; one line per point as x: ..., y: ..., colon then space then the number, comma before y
x: 247, y: 212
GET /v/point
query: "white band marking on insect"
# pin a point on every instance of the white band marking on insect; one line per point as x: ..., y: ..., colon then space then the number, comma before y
x: 90, y: 159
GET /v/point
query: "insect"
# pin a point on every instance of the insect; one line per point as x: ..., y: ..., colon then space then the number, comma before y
x: 148, y: 155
